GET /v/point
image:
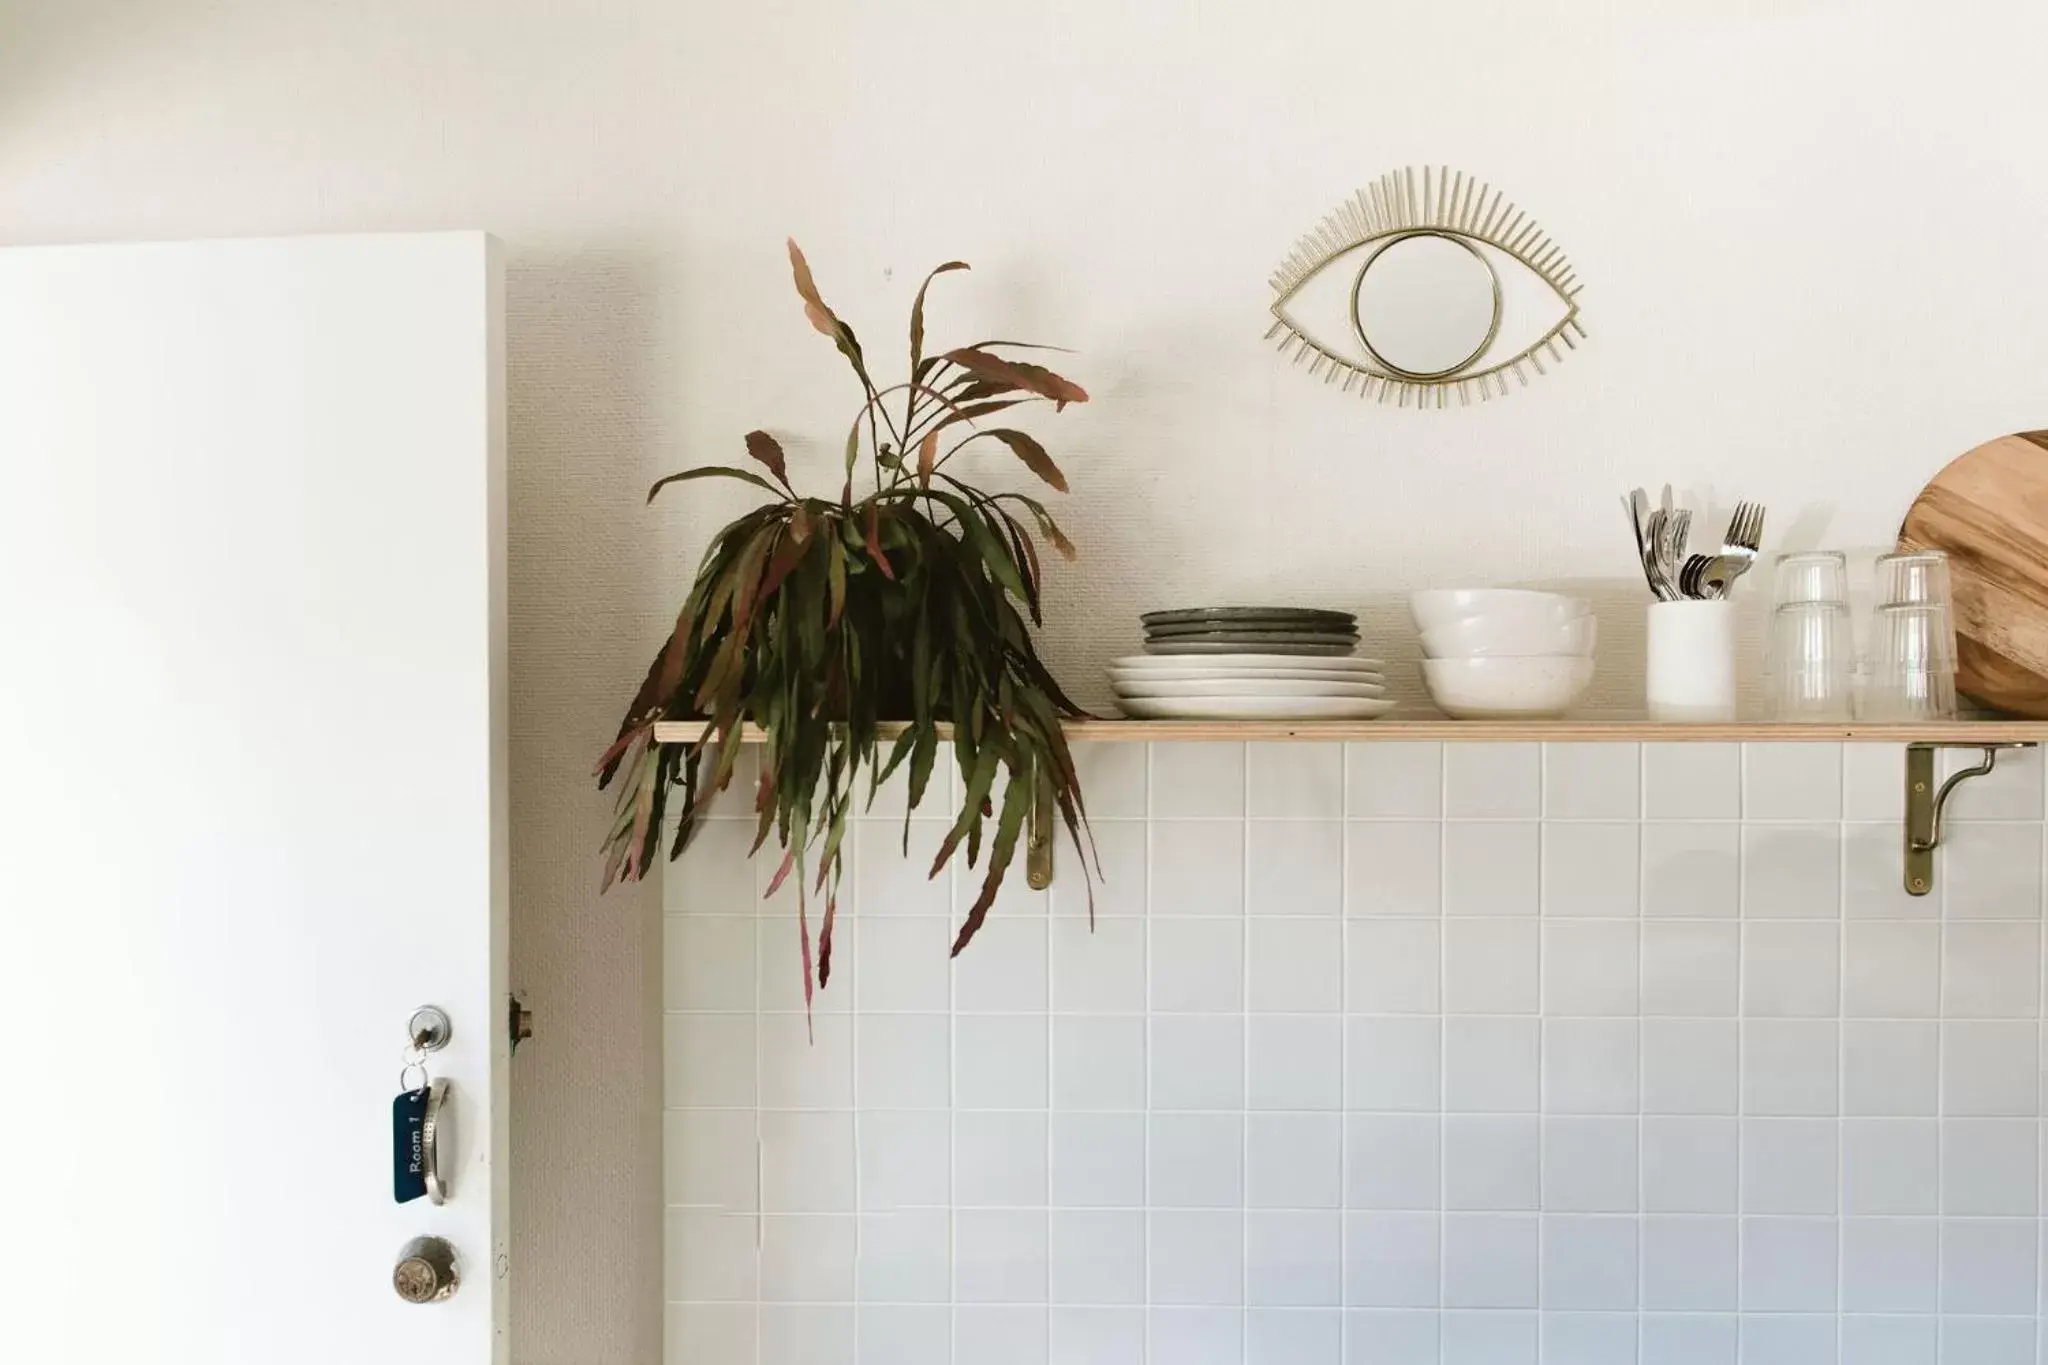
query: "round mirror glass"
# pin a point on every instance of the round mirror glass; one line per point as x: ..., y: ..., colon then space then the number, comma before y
x: 1426, y: 305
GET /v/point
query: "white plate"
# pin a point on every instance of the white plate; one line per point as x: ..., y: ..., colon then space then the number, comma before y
x: 1336, y: 649
x: 1256, y: 708
x: 1244, y: 675
x: 1249, y: 687
x: 1225, y: 663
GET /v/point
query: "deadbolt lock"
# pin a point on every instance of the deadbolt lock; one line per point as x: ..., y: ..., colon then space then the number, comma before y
x: 426, y: 1271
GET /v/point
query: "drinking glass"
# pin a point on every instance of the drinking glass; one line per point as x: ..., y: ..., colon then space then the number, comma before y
x: 1913, y: 578
x: 1813, y: 576
x: 1812, y: 655
x: 1912, y: 663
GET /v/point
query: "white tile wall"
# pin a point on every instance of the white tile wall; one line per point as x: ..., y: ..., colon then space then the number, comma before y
x: 1400, y: 1054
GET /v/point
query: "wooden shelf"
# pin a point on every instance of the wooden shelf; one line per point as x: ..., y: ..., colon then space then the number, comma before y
x: 1499, y: 731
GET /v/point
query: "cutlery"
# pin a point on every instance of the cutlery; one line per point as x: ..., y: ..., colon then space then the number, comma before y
x: 1635, y: 521
x: 1662, y: 533
x: 1677, y: 527
x: 1642, y: 520
x: 1745, y: 533
x: 1660, y: 582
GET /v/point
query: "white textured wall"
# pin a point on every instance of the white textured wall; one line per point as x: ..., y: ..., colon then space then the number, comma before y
x: 1809, y: 234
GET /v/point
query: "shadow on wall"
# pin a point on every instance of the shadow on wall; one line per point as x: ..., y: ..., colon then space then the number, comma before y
x: 583, y: 377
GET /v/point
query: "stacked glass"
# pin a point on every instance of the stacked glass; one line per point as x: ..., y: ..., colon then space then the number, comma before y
x: 1812, y: 649
x: 1912, y: 640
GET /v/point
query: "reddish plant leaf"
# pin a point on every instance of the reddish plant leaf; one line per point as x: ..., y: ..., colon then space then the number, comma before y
x: 822, y: 318
x: 927, y: 456
x: 825, y: 941
x: 768, y: 451
x: 1058, y: 538
x: 714, y: 471
x: 782, y: 872
x: 1031, y: 453
x: 803, y: 934
x: 917, y: 313
x: 875, y: 542
x: 968, y: 412
x: 1017, y: 374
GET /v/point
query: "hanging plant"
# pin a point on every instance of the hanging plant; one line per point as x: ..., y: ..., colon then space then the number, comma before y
x: 821, y: 619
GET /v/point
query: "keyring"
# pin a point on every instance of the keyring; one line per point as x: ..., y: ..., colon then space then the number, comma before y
x: 405, y: 1072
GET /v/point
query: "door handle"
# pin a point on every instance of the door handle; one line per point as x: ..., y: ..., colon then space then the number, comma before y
x: 426, y: 1271
x: 433, y: 1134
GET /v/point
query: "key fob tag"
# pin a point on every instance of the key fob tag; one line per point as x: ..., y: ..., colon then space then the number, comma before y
x: 408, y: 1146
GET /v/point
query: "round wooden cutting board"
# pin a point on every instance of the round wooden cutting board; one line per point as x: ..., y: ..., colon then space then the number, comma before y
x: 1989, y: 510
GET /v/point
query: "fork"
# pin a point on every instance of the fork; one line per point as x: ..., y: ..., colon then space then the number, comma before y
x: 1711, y: 576
x: 1745, y: 532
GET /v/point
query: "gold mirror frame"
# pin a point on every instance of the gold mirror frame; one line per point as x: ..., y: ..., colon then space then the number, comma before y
x: 1439, y: 202
x: 1358, y: 320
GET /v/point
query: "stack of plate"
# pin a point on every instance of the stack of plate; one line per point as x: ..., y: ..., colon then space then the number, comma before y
x: 1295, y: 631
x: 1250, y: 663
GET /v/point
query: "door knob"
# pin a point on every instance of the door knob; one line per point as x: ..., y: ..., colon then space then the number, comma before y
x: 426, y: 1271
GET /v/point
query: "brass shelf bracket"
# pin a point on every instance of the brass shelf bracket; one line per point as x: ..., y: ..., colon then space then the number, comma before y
x: 1925, y: 801
x: 1038, y: 844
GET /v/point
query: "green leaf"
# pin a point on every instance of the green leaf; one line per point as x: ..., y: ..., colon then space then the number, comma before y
x: 1016, y: 802
x: 836, y: 570
x: 713, y: 471
x: 980, y: 781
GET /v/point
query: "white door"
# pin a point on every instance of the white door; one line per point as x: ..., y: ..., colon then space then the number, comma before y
x: 252, y: 794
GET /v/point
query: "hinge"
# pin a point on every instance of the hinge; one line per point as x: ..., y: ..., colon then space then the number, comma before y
x: 1925, y: 802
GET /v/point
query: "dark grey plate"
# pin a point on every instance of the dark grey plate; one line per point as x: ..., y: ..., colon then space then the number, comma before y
x: 1172, y: 628
x: 1254, y: 639
x: 1185, y: 614
x: 1265, y: 644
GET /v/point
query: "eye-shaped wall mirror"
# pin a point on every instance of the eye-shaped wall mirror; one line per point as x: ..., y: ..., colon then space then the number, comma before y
x: 1426, y: 284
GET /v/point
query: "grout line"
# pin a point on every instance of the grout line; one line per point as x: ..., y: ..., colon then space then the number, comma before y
x: 1443, y: 1067
x: 1244, y: 1266
x: 1542, y: 1037
x: 1941, y: 1009
x: 853, y: 1093
x: 1145, y: 1125
x: 1344, y: 1052
x: 1642, y: 1052
x: 2040, y: 991
x: 761, y: 925
x: 1841, y: 1200
x: 1742, y: 1035
x: 953, y: 1111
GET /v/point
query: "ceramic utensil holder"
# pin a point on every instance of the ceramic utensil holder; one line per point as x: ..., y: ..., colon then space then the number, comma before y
x: 1689, y: 674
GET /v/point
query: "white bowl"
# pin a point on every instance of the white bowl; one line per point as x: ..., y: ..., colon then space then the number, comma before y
x: 1480, y: 637
x: 1438, y: 606
x: 1505, y: 688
